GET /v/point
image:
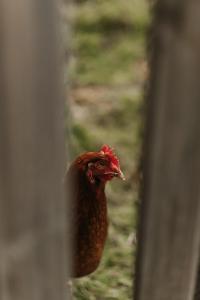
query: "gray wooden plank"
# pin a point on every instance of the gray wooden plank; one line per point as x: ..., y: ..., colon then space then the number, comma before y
x: 33, y: 253
x: 170, y: 216
x: 197, y: 286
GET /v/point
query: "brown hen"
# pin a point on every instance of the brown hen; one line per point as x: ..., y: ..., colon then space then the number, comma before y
x: 86, y: 179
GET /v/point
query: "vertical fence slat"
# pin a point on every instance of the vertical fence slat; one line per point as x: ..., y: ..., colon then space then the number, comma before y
x: 170, y: 225
x: 32, y: 208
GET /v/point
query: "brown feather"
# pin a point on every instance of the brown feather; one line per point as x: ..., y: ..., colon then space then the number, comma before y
x: 89, y: 210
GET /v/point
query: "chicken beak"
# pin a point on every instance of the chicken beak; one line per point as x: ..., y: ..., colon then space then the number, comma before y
x: 120, y: 175
x: 116, y: 172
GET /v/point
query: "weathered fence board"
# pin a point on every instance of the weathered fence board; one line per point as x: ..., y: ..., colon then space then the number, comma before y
x: 32, y: 208
x: 169, y: 232
x: 197, y: 287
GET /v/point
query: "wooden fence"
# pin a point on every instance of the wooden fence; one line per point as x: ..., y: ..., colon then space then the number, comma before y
x: 170, y: 215
x: 33, y: 213
x: 32, y: 208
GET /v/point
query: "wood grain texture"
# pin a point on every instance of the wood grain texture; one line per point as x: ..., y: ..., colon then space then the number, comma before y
x: 170, y: 216
x: 32, y: 164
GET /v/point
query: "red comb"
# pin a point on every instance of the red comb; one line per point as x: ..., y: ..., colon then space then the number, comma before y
x: 109, y: 151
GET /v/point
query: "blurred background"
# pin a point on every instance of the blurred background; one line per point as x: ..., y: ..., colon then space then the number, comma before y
x: 105, y: 79
x: 108, y: 70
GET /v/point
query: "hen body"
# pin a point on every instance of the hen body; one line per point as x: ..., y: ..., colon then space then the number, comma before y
x: 89, y: 206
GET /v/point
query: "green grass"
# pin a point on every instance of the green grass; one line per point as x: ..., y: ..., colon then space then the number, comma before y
x: 108, y: 41
x: 107, y: 107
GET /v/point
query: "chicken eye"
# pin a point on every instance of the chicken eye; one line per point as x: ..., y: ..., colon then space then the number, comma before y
x: 101, y: 163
